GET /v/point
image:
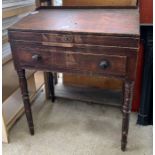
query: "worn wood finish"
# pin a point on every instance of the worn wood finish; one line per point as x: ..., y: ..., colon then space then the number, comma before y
x: 102, y: 40
x: 95, y: 81
x: 26, y: 100
x: 37, y: 48
x: 92, y: 81
x: 75, y: 41
x: 82, y: 21
x: 51, y: 86
x: 100, y: 2
x: 90, y: 95
x: 73, y: 62
x: 47, y: 90
x: 128, y: 92
x: 50, y: 82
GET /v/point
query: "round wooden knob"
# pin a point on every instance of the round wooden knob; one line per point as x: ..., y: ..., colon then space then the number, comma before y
x: 104, y: 64
x: 36, y: 57
x: 67, y: 38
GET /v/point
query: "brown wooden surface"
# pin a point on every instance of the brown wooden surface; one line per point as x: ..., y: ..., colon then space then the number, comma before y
x: 100, y: 2
x: 26, y: 100
x: 10, y: 12
x: 73, y: 62
x: 92, y: 81
x: 102, y: 21
x: 87, y: 81
x: 90, y: 95
x: 69, y: 60
x: 77, y: 39
x: 128, y: 93
x: 60, y: 50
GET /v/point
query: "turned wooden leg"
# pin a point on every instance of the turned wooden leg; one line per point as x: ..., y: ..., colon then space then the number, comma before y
x: 51, y: 86
x: 46, y: 80
x: 25, y: 96
x: 128, y: 91
x: 55, y: 78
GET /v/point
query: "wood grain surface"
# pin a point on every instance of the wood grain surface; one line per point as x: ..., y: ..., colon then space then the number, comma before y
x: 92, y: 81
x: 100, y: 2
x: 92, y: 42
x: 103, y: 21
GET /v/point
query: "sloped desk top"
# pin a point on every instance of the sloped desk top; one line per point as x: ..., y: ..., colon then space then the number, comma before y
x: 122, y: 22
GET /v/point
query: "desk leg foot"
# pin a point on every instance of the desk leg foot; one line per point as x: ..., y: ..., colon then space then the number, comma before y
x: 25, y: 97
x: 55, y: 78
x: 32, y: 131
x: 128, y: 91
x: 51, y: 86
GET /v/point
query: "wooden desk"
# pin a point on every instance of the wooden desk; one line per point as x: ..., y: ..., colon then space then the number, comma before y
x: 101, y: 42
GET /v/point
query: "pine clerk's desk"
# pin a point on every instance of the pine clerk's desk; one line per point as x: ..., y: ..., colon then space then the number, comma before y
x: 101, y: 42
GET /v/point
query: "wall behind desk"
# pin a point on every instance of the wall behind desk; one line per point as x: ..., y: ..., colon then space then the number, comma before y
x: 146, y: 12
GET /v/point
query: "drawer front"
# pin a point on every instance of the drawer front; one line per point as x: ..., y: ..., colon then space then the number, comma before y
x: 63, y: 38
x: 90, y: 40
x: 107, y: 40
x: 87, y: 63
x: 42, y: 37
x: 72, y: 38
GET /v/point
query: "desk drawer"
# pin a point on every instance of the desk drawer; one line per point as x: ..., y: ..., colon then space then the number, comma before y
x: 42, y: 37
x: 58, y: 38
x: 90, y: 40
x: 85, y: 63
x: 73, y: 38
x: 102, y: 40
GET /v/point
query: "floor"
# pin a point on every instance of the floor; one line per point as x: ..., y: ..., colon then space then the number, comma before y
x: 69, y: 127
